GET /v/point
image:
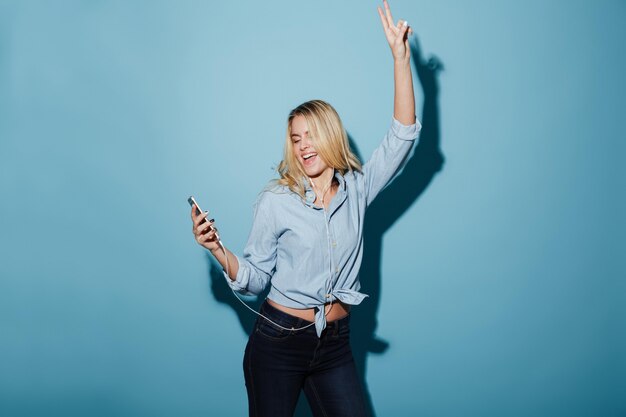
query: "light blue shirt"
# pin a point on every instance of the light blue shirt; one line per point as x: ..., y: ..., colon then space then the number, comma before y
x: 309, y: 255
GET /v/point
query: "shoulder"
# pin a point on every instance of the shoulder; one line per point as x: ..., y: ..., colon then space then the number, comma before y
x: 354, y: 179
x: 352, y: 175
x: 273, y: 187
x: 271, y: 195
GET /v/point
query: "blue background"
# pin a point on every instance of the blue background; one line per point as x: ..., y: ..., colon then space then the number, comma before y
x: 495, y: 263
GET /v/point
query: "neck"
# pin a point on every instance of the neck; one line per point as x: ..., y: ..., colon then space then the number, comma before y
x: 323, y: 182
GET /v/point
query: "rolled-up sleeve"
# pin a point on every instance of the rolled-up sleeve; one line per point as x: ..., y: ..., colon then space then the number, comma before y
x: 389, y: 157
x: 258, y: 262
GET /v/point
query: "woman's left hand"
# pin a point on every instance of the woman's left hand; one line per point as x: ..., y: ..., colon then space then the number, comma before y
x: 397, y: 35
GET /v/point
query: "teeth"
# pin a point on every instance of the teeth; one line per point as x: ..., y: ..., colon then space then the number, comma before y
x: 308, y: 155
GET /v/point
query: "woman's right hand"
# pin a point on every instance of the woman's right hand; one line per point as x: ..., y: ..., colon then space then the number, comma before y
x: 204, y: 232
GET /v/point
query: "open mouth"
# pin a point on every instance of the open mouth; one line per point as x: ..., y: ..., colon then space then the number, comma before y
x: 309, y: 158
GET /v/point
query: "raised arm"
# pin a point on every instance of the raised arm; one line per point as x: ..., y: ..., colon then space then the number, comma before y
x: 398, y: 38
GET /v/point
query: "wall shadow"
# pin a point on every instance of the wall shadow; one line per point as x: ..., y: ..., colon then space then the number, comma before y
x: 389, y: 206
x: 386, y: 209
x: 223, y: 294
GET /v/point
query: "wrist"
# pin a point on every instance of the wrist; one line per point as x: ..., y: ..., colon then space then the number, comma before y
x: 401, y: 62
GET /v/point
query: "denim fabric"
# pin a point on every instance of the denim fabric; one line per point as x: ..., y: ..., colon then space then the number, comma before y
x: 312, y: 256
x: 279, y: 363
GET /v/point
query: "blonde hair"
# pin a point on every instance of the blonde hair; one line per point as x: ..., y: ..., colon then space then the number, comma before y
x: 330, y: 141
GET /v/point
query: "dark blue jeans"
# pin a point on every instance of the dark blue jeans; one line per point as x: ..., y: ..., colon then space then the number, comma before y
x: 279, y: 363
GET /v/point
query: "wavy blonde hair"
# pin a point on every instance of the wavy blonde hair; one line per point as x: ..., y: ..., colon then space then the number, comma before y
x: 330, y: 141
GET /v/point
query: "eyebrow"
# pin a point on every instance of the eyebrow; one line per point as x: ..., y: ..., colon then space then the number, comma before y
x: 295, y: 134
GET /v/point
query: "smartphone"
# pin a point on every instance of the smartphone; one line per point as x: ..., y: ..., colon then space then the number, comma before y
x: 192, y: 202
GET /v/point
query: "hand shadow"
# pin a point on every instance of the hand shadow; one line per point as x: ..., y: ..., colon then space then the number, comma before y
x: 388, y: 207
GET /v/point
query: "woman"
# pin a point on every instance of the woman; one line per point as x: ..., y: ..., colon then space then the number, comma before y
x: 306, y: 242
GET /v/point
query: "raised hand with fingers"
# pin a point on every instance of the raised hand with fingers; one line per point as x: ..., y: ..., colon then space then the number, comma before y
x: 397, y: 34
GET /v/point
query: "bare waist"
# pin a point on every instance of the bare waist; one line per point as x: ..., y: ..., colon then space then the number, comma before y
x: 335, y: 311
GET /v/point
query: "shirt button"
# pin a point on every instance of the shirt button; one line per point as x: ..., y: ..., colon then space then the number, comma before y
x: 327, y: 295
x: 337, y: 269
x: 334, y: 244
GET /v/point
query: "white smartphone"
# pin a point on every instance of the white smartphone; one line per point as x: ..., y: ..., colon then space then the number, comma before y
x: 192, y: 202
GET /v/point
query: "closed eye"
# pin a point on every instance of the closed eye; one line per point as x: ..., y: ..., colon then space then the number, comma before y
x: 296, y: 137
